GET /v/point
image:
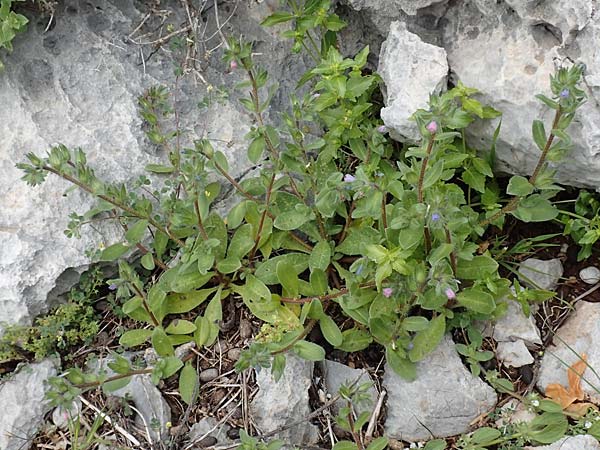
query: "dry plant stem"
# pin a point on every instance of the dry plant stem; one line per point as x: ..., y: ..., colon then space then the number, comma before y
x: 117, y: 427
x: 112, y: 201
x: 383, y: 212
x: 374, y: 416
x: 513, y: 203
x: 355, y: 435
x: 420, y: 189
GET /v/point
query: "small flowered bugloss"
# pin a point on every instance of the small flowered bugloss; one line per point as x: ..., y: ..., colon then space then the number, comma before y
x: 349, y: 178
x: 450, y: 294
x: 432, y: 127
x: 564, y: 93
x: 387, y: 292
x: 435, y: 217
x: 382, y: 129
x: 233, y: 65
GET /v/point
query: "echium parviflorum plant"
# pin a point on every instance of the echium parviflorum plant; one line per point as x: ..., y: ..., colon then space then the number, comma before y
x: 340, y: 230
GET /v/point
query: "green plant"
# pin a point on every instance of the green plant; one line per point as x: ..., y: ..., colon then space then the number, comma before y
x: 68, y: 325
x: 338, y: 228
x: 11, y: 23
x: 583, y: 225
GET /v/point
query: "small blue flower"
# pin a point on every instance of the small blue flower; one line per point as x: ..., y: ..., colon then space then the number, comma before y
x: 382, y: 129
x: 112, y: 287
x: 435, y: 217
x: 360, y: 269
x: 349, y: 178
x: 565, y: 93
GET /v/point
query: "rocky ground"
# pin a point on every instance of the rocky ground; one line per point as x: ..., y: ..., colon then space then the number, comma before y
x: 75, y: 78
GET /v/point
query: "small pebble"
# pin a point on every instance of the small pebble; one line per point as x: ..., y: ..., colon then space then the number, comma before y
x: 245, y: 329
x: 208, y: 375
x: 208, y: 441
x: 234, y: 354
x: 590, y: 275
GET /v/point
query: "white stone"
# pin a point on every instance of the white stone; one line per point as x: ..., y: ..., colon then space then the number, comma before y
x: 541, y: 274
x: 336, y: 374
x: 61, y: 416
x: 23, y: 404
x: 280, y: 403
x: 590, y: 275
x: 411, y: 70
x: 442, y: 401
x: 514, y: 354
x: 580, y: 334
x: 514, y: 325
x: 580, y: 442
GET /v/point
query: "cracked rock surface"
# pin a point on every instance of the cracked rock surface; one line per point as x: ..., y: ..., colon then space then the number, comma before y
x: 442, y: 401
x: 23, y: 404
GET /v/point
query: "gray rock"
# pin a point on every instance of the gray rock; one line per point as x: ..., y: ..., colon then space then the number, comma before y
x: 565, y: 16
x: 391, y: 7
x: 541, y: 274
x: 22, y: 399
x: 209, y: 375
x: 78, y: 84
x: 209, y: 427
x: 441, y: 402
x: 514, y: 325
x: 514, y: 354
x: 61, y: 416
x: 590, y: 275
x: 516, y: 50
x: 154, y: 409
x: 411, y: 70
x: 578, y: 335
x: 146, y: 397
x: 336, y: 374
x: 286, y: 401
x: 581, y: 442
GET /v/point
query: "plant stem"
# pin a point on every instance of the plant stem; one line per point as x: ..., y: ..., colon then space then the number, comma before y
x: 426, y: 232
x: 114, y: 202
x: 199, y: 216
x: 262, y: 217
x: 142, y: 295
x: 383, y: 212
x: 453, y: 253
x: 513, y: 203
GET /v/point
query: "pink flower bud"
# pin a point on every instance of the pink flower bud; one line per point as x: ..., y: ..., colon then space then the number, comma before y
x: 387, y: 292
x: 233, y: 65
x: 450, y: 294
x: 432, y: 127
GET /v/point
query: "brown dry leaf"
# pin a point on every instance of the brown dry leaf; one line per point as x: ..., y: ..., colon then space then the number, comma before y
x: 580, y: 409
x: 574, y: 375
x: 559, y: 394
x: 566, y: 397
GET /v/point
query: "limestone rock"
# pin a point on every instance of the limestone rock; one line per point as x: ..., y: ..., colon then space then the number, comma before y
x: 590, y: 275
x: 336, y: 374
x: 411, y: 70
x: 22, y: 399
x: 514, y: 325
x: 541, y: 274
x: 78, y: 84
x: 514, y: 354
x: 282, y: 402
x: 444, y: 398
x: 581, y: 442
x: 578, y: 335
x: 209, y: 427
x: 516, y: 50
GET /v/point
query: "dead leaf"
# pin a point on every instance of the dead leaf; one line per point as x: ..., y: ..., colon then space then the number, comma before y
x: 566, y: 397
x: 574, y: 375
